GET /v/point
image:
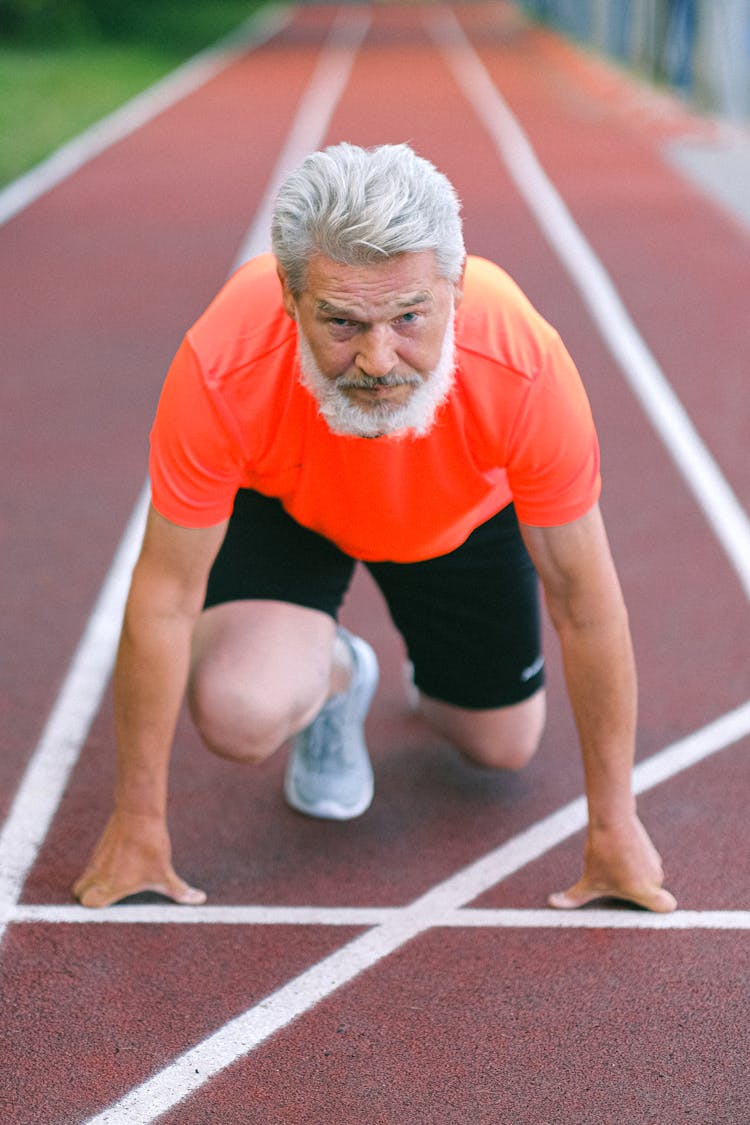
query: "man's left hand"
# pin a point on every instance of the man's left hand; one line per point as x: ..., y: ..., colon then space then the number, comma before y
x: 619, y: 862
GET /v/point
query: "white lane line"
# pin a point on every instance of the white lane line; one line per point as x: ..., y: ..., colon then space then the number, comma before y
x: 598, y: 919
x: 77, y: 703
x: 462, y: 887
x: 666, y: 413
x: 159, y: 914
x: 191, y: 1070
x: 238, y: 1037
x: 365, y: 916
x: 725, y: 731
x: 48, y: 771
x: 309, y: 128
x: 136, y: 112
x: 469, y: 883
x: 441, y: 906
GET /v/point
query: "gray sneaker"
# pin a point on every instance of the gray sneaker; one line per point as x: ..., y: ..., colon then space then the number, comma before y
x: 329, y: 773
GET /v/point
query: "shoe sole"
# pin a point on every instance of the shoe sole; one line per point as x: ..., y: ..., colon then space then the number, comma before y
x: 326, y: 810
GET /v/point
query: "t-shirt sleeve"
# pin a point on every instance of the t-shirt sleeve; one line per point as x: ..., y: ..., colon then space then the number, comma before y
x: 554, y: 463
x: 194, y: 462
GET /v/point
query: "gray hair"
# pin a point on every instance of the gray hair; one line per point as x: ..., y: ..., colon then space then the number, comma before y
x: 357, y: 206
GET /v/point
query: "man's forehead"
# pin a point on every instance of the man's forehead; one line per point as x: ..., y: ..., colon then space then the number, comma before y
x: 403, y: 281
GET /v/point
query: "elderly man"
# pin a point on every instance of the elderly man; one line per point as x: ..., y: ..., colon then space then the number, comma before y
x: 366, y: 393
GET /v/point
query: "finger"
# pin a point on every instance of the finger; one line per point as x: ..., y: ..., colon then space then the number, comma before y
x: 182, y: 893
x: 98, y: 894
x: 655, y: 899
x: 574, y: 897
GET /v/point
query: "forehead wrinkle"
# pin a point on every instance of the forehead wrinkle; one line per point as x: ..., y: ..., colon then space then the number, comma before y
x: 332, y: 309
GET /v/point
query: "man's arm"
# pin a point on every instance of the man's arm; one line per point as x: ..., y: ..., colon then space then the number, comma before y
x: 165, y: 599
x: 587, y: 609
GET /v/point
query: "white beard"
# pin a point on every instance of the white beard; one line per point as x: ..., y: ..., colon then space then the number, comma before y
x: 414, y: 417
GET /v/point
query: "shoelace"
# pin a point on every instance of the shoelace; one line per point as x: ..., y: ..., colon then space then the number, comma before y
x: 325, y: 748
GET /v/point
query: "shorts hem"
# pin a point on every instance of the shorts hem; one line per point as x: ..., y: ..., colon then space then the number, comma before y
x: 489, y: 701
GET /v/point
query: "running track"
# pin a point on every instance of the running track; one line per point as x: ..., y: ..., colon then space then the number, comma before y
x: 401, y: 968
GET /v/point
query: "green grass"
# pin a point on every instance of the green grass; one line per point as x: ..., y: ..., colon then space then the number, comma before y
x: 50, y: 93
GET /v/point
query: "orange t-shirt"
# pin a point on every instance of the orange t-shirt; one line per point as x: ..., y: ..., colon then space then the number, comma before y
x: 516, y: 426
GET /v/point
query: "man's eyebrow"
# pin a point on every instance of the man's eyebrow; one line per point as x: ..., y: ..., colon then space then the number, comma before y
x: 417, y: 299
x: 334, y: 310
x: 339, y: 311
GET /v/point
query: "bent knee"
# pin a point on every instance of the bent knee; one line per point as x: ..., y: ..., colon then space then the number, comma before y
x: 233, y: 725
x: 260, y: 670
x: 499, y: 738
x: 244, y: 723
x: 501, y: 753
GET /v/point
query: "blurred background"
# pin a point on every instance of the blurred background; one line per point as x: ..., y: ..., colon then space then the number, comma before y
x: 700, y: 47
x: 65, y: 63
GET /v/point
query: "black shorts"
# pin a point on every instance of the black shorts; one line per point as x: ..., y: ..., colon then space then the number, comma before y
x: 469, y: 619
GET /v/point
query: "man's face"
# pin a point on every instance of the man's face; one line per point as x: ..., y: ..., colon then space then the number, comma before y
x: 376, y: 341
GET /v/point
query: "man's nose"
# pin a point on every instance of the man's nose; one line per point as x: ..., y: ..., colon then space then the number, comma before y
x: 377, y: 354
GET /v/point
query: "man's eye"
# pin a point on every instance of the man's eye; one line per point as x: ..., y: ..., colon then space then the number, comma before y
x: 341, y: 322
x: 409, y: 317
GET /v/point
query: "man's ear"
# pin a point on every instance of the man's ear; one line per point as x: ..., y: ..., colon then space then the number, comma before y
x: 290, y: 304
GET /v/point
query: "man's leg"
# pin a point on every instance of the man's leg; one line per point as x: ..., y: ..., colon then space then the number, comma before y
x: 261, y: 671
x: 265, y: 655
x: 471, y: 624
x: 498, y: 737
x: 270, y: 663
x: 265, y: 671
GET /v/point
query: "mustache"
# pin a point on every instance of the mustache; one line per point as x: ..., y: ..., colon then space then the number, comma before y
x: 370, y: 382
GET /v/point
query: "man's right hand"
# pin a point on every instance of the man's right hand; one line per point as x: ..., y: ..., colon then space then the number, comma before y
x: 133, y: 855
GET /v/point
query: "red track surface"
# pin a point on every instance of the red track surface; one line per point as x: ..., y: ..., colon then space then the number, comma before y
x: 460, y: 1024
